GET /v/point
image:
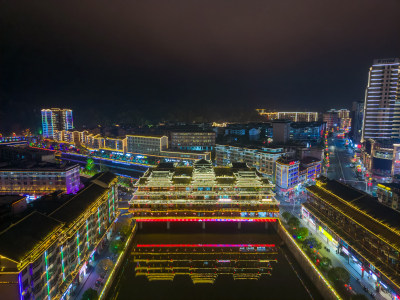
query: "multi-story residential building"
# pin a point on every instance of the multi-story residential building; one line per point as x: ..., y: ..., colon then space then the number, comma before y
x: 292, y: 116
x: 38, y: 178
x: 357, y: 121
x: 146, y: 144
x: 281, y: 131
x: 56, y: 119
x: 204, y: 193
x: 291, y: 172
x: 381, y: 158
x: 331, y: 118
x: 389, y: 194
x: 381, y: 117
x: 262, y: 159
x: 114, y: 144
x: 46, y: 254
x: 337, y: 119
x: 311, y: 132
x: 192, y: 140
x: 361, y: 228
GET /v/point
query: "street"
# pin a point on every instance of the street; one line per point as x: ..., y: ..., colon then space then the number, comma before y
x: 340, y: 164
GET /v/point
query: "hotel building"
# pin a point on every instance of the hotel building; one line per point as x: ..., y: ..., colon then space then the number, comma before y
x: 56, y: 119
x: 381, y: 104
x: 45, y: 254
x: 204, y: 193
x: 360, y: 227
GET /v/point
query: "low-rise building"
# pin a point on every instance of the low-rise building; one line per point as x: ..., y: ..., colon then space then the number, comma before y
x: 291, y: 172
x: 45, y: 254
x: 312, y: 132
x: 389, y: 194
x: 38, y: 178
x: 360, y: 227
x: 381, y: 158
x: 263, y: 159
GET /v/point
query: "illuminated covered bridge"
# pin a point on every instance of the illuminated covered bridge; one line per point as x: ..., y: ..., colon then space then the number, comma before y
x: 204, y: 193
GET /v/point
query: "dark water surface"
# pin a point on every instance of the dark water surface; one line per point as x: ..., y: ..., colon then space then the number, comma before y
x: 282, y: 283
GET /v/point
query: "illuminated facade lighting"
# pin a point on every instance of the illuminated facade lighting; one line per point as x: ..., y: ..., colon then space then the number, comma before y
x: 204, y: 193
x: 380, y: 93
x: 56, y: 119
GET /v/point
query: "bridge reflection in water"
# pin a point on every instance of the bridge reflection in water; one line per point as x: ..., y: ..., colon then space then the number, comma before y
x: 204, y: 262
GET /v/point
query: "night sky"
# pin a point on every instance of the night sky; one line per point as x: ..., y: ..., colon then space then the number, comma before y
x: 130, y: 61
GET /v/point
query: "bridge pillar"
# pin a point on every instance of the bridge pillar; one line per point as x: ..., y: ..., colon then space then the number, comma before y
x: 239, y: 225
x: 203, y: 225
x: 168, y: 225
x: 266, y: 225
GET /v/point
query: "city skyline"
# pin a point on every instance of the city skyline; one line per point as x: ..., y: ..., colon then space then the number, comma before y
x: 186, y: 61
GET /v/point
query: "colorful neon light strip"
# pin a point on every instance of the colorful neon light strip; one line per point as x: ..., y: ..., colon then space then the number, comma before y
x: 20, y: 286
x: 113, y: 193
x: 62, y: 263
x: 87, y: 234
x: 202, y: 245
x: 77, y: 246
x: 98, y: 218
x: 203, y: 220
x: 109, y: 208
x: 47, y: 275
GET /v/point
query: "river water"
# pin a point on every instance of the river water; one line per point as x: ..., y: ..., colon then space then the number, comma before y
x: 220, y: 262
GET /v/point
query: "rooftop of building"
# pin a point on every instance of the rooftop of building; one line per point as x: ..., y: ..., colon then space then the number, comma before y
x: 184, y: 175
x: 257, y: 147
x: 18, y: 240
x: 190, y: 129
x: 146, y: 135
x: 71, y: 209
x: 385, y: 143
x: 389, y: 186
x: 306, y: 124
x: 31, y: 165
x: 25, y: 149
x: 10, y: 199
x: 285, y: 160
x: 364, y: 209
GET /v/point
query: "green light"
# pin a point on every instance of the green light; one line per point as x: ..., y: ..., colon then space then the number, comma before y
x: 87, y: 234
x: 109, y: 209
x: 113, y: 201
x: 98, y: 218
x: 47, y: 275
x: 62, y: 263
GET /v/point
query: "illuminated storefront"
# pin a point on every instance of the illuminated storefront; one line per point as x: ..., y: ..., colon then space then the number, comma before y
x: 343, y: 214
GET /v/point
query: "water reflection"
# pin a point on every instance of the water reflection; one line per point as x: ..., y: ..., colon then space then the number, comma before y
x: 204, y: 262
